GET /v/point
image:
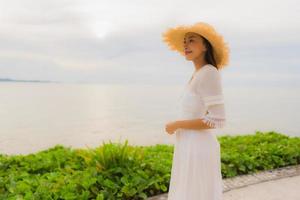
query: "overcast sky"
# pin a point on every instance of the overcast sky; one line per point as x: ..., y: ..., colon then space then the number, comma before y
x: 109, y: 41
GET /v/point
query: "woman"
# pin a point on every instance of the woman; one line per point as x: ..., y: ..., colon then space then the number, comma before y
x: 196, y: 168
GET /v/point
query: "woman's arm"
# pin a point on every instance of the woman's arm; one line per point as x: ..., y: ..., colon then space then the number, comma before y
x: 186, y: 124
x: 215, y: 118
x: 192, y: 124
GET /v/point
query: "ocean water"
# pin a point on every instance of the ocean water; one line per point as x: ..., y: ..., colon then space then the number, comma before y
x: 36, y: 116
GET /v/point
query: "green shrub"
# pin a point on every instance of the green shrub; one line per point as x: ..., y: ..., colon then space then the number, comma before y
x: 121, y: 171
x: 244, y: 154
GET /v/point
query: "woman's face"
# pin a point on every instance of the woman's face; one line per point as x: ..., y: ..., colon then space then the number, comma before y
x: 193, y: 46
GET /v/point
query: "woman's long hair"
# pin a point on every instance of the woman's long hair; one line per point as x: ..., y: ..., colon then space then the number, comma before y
x: 209, y: 56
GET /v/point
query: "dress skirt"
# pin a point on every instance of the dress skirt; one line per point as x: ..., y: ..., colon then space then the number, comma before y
x: 196, y: 169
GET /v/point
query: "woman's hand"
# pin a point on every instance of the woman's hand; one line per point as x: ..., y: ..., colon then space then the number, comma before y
x: 171, y: 127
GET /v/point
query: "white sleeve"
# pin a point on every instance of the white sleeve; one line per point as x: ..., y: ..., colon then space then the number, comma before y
x: 210, y: 89
x: 215, y: 116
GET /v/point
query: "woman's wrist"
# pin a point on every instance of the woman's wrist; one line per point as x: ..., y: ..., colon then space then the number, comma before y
x: 179, y: 124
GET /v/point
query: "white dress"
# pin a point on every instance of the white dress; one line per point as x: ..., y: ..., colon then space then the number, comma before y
x: 196, y: 166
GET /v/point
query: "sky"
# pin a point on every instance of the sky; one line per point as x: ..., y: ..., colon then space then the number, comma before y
x: 120, y: 42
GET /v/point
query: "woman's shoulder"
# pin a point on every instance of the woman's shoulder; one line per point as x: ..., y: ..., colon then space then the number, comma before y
x: 207, y: 71
x: 210, y: 75
x: 209, y: 80
x: 210, y: 68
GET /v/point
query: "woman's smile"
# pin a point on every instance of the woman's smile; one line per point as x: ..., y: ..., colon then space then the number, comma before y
x: 187, y: 52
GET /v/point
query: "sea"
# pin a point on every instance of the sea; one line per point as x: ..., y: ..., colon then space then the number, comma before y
x: 37, y: 116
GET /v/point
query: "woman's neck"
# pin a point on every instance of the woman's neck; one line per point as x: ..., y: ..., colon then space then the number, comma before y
x: 198, y: 63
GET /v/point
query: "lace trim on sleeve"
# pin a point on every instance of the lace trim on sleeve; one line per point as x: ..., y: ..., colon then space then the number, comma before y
x: 214, y: 122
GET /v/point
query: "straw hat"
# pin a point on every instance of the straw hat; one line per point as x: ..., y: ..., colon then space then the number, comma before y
x: 174, y: 38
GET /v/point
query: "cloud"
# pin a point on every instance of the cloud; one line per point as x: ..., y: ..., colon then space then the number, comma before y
x: 98, y: 40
